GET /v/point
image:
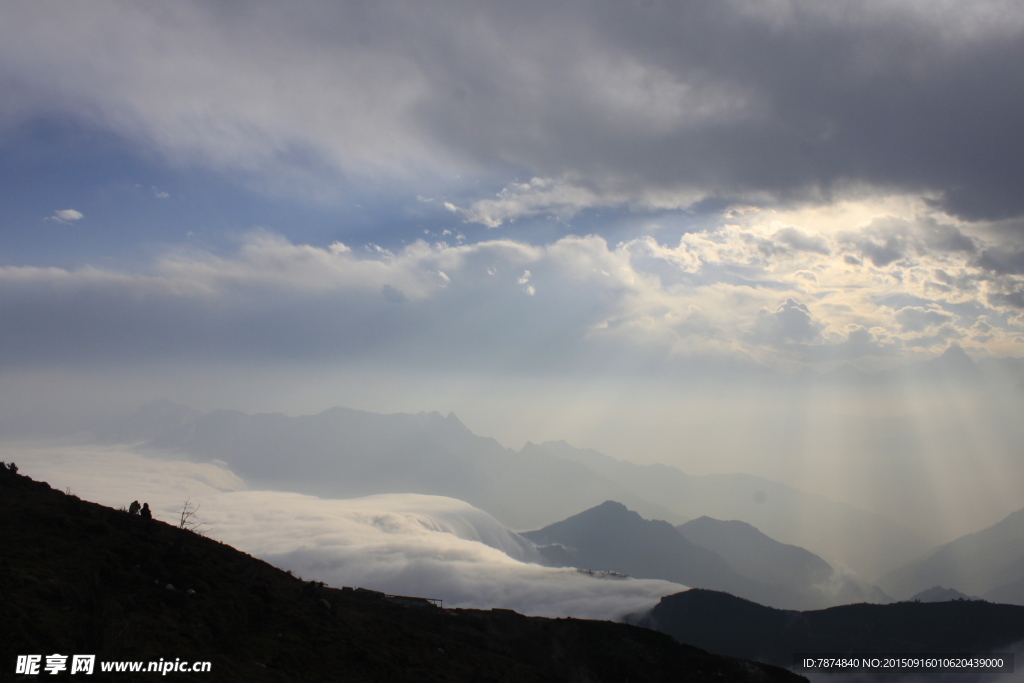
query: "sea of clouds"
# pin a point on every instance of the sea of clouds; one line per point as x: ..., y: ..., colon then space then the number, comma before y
x: 406, y: 544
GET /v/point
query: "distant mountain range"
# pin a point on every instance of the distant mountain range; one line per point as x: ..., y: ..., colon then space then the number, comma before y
x: 867, y: 543
x: 343, y: 452
x: 988, y: 563
x: 722, y: 623
x: 707, y: 553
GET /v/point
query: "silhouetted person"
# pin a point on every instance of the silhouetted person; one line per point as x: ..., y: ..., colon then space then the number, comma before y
x: 134, y: 508
x: 146, y: 514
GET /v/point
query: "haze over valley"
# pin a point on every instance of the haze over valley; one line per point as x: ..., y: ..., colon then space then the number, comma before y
x: 490, y: 513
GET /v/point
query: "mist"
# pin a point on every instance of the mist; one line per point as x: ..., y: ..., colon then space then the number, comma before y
x: 939, y: 458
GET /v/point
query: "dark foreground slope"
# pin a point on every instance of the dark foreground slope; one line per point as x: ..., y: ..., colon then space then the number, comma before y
x: 729, y: 625
x: 80, y: 578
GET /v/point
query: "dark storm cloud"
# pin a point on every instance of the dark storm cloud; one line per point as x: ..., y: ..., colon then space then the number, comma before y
x: 733, y: 97
x: 1003, y: 260
x: 789, y: 100
x: 888, y: 239
x: 1013, y: 298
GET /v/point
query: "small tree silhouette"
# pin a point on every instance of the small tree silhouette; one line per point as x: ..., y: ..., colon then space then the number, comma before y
x: 188, y: 520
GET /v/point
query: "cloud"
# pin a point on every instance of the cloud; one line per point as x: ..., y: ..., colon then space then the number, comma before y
x: 945, y: 237
x: 405, y: 544
x: 887, y: 239
x: 859, y: 342
x: 115, y: 476
x: 1014, y: 298
x: 428, y: 304
x: 962, y: 281
x: 1004, y: 260
x: 563, y: 199
x: 524, y: 280
x: 918, y: 319
x: 881, y: 245
x: 981, y: 331
x: 939, y: 337
x: 732, y: 291
x: 539, y: 196
x: 792, y: 321
x: 66, y: 216
x: 621, y: 103
x: 393, y: 295
x: 802, y: 241
x: 795, y: 331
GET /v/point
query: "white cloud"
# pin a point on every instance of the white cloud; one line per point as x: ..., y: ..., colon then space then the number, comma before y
x: 538, y: 196
x: 66, y: 216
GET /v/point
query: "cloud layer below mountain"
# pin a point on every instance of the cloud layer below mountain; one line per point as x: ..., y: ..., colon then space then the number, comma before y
x: 403, y: 544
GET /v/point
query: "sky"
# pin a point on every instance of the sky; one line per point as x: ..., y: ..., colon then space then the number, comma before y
x: 560, y: 220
